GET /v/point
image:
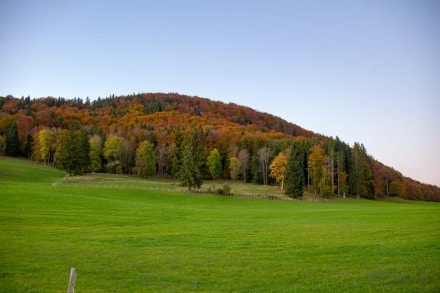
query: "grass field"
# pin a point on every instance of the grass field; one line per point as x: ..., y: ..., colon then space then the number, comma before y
x: 128, y: 240
x: 101, y: 180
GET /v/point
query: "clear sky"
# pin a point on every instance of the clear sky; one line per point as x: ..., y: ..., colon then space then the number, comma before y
x: 366, y: 71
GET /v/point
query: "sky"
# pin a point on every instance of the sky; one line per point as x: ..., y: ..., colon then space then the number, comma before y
x: 365, y: 71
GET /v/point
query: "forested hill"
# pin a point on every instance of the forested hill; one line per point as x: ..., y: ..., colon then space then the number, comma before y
x: 152, y: 110
x: 116, y: 130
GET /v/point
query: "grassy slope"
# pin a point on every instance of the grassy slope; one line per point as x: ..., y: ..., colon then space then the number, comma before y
x: 128, y: 240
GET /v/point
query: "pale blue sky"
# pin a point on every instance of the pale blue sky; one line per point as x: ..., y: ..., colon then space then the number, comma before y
x: 367, y: 71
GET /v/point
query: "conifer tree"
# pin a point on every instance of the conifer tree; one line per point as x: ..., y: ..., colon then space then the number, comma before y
x: 255, y: 168
x: 342, y: 185
x: 295, y: 171
x: 360, y: 173
x: 343, y: 159
x: 27, y: 148
x: 2, y: 145
x: 12, y: 146
x: 175, y: 152
x: 190, y: 173
x: 330, y: 145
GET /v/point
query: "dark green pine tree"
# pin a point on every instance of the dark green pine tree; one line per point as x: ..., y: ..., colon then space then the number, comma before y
x: 12, y: 146
x: 190, y: 173
x: 72, y: 152
x: 360, y: 177
x: 175, y: 155
x: 295, y: 171
x: 255, y: 170
x: 27, y: 148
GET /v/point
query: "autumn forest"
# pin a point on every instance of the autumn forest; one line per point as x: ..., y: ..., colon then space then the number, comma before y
x: 194, y: 139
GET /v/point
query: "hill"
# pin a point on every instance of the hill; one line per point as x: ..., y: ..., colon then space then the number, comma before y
x: 164, y: 119
x: 155, y: 110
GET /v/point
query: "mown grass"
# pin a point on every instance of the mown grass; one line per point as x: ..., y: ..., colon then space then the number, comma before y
x: 124, y: 240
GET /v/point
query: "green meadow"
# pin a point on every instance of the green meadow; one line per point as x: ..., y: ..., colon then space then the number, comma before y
x: 158, y: 239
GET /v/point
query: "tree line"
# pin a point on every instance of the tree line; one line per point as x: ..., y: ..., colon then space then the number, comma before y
x: 194, y: 139
x: 324, y: 167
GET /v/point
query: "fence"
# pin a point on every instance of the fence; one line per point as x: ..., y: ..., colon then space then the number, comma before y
x: 61, y: 181
x: 71, y: 288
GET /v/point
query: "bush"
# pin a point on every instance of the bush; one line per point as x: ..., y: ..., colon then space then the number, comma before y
x: 211, y: 189
x: 227, y: 189
x: 113, y: 167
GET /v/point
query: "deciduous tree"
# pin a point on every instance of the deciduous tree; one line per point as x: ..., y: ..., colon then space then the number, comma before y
x: 397, y: 188
x: 95, y: 153
x: 72, y: 152
x: 234, y: 168
x: 243, y: 157
x: 264, y: 156
x: 316, y: 162
x: 44, y: 146
x: 113, y: 152
x: 162, y: 159
x: 128, y: 155
x: 214, y: 162
x: 145, y: 160
x: 278, y: 169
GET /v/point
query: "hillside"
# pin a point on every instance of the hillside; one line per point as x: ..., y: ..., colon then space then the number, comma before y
x: 164, y: 119
x: 155, y: 110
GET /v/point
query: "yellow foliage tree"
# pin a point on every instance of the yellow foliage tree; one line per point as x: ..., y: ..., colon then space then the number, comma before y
x: 278, y: 169
x: 316, y: 162
x: 234, y: 168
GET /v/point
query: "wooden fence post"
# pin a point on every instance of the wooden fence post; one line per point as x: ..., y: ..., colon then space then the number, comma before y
x: 72, y: 281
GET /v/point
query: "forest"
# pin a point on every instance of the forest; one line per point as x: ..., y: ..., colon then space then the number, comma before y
x: 194, y: 139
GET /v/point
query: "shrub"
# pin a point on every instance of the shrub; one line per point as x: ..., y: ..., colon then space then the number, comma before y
x: 227, y: 189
